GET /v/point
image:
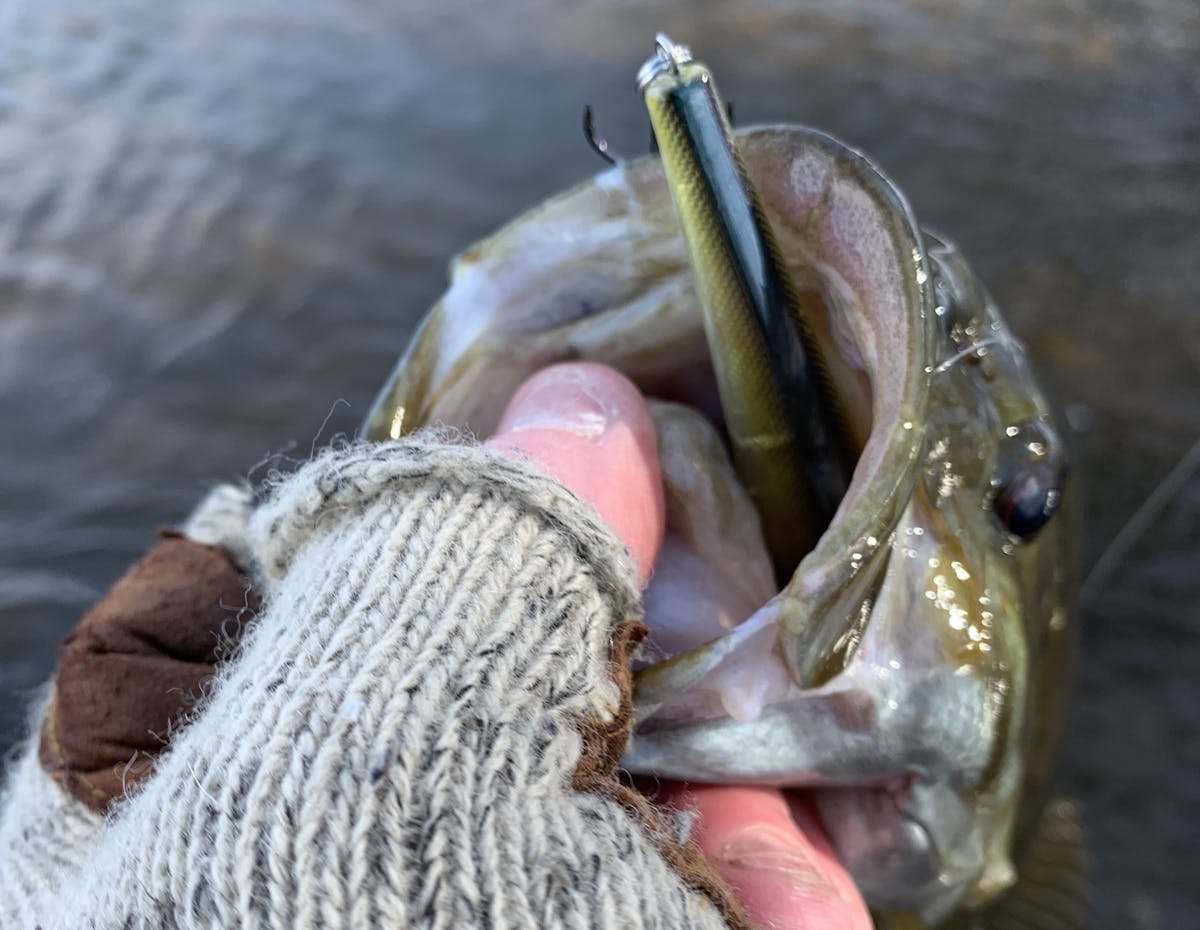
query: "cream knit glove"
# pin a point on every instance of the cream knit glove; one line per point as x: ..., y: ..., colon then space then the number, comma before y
x: 420, y: 729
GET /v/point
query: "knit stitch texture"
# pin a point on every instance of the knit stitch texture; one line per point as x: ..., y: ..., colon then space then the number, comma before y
x: 393, y: 745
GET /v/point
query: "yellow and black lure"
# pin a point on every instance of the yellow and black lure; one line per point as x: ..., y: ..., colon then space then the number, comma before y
x: 780, y: 412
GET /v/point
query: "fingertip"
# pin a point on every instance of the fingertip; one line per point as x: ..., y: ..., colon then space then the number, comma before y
x: 588, y: 426
x: 776, y: 858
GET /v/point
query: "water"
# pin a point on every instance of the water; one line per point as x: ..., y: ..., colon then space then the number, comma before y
x: 219, y: 222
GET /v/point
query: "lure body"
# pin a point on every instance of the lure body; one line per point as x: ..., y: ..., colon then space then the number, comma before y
x: 780, y: 415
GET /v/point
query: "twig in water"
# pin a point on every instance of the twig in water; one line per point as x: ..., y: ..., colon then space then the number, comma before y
x: 1140, y: 522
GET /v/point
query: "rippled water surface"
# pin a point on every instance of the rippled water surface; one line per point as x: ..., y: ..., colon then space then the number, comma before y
x: 219, y: 222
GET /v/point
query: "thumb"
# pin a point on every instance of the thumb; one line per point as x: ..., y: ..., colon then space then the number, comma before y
x: 587, y: 426
x: 774, y: 855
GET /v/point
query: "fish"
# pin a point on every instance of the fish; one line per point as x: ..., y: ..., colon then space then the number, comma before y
x: 910, y: 674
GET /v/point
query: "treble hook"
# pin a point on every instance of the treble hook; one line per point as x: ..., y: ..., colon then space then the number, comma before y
x: 597, y: 144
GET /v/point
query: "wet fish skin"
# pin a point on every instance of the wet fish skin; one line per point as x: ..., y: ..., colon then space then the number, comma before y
x: 1044, y: 567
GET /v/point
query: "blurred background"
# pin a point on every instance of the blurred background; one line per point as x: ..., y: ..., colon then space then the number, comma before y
x: 219, y: 222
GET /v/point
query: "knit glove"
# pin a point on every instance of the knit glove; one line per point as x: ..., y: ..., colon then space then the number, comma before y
x: 393, y: 694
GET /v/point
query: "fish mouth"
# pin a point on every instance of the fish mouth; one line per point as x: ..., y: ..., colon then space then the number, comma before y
x: 600, y: 273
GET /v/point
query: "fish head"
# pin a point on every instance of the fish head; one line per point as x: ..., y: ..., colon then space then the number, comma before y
x: 903, y: 669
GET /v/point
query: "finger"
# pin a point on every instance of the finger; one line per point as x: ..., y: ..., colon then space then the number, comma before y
x: 588, y: 426
x: 775, y: 857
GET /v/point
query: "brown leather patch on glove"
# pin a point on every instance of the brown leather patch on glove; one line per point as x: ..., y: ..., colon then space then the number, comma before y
x: 133, y: 666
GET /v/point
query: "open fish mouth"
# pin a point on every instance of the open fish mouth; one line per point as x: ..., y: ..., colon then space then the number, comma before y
x: 602, y: 273
x: 908, y: 661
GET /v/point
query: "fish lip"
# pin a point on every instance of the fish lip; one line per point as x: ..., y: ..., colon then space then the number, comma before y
x: 874, y: 502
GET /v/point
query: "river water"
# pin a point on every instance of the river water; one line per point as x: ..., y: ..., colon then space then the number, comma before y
x: 220, y: 221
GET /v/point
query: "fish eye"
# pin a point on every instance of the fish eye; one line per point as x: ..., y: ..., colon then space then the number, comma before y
x: 1026, y: 502
x: 1033, y: 475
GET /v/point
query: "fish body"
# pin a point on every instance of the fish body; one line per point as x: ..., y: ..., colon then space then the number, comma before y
x: 911, y: 670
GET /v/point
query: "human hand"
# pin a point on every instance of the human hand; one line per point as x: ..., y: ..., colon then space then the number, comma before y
x: 587, y: 426
x: 421, y: 724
